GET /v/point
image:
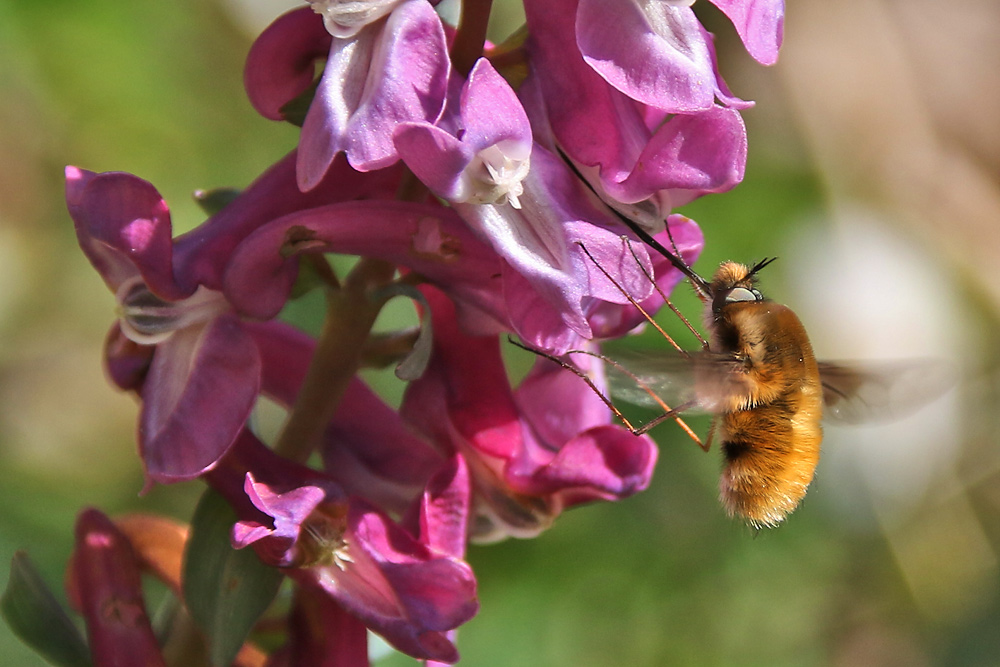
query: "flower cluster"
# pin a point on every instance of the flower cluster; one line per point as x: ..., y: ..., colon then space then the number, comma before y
x: 484, y: 183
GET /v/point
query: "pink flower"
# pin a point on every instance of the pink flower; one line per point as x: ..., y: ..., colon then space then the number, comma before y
x: 526, y: 466
x: 181, y: 347
x: 410, y: 587
x: 387, y: 68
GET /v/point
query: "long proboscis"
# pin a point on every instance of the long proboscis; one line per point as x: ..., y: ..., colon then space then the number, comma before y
x: 700, y: 284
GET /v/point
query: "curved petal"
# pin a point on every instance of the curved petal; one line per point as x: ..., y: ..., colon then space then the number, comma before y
x: 392, y: 72
x: 201, y: 387
x: 691, y: 154
x: 281, y: 63
x: 602, y: 463
x: 126, y: 361
x: 654, y: 53
x: 759, y: 23
x: 201, y: 254
x: 491, y: 112
x: 436, y: 158
x: 428, y: 239
x: 123, y: 226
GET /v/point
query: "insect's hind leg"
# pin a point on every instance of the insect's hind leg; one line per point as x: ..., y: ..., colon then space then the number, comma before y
x: 668, y: 412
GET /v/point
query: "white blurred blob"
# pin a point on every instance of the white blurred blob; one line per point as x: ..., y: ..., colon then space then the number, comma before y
x: 864, y: 293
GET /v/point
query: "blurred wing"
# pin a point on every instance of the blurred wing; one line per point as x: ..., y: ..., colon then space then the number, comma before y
x: 642, y: 377
x: 855, y: 393
x: 638, y: 377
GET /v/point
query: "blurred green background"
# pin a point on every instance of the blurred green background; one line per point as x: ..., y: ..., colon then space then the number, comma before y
x: 873, y: 175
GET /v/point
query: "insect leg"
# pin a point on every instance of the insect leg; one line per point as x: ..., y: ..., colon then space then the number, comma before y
x: 631, y: 299
x: 668, y: 412
x: 670, y: 305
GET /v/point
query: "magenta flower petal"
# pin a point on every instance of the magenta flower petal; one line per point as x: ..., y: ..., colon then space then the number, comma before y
x: 322, y: 633
x: 392, y: 71
x: 602, y: 463
x: 201, y: 254
x: 376, y: 570
x: 689, y: 155
x: 286, y: 511
x: 280, y: 65
x: 123, y: 226
x: 105, y: 578
x: 436, y: 157
x: 401, y: 589
x: 444, y: 509
x: 430, y: 240
x: 521, y: 478
x: 655, y: 52
x: 759, y: 23
x: 126, y: 361
x: 199, y: 392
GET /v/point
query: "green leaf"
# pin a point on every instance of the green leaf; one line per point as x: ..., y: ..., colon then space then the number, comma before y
x: 36, y: 617
x: 225, y: 589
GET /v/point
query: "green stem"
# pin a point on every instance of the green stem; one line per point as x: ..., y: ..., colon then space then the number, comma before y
x: 351, y: 313
x: 471, y: 35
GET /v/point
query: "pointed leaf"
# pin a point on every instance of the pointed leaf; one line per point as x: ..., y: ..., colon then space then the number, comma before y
x: 36, y: 617
x: 226, y: 590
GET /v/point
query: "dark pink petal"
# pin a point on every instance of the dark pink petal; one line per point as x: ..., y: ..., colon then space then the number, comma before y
x: 602, y: 463
x: 430, y: 240
x: 123, y: 226
x: 372, y: 453
x: 592, y: 122
x: 468, y: 376
x: 760, y: 24
x: 125, y: 361
x: 107, y: 586
x: 445, y: 509
x: 435, y: 157
x: 490, y: 110
x: 654, y: 53
x: 391, y: 72
x: 321, y: 634
x: 276, y: 545
x: 400, y: 589
x: 201, y: 254
x: 201, y: 387
x: 557, y: 404
x: 281, y: 62
x: 689, y: 155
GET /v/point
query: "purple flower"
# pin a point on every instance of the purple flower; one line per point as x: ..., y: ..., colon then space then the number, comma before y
x: 657, y: 53
x: 428, y: 239
x: 384, y: 66
x: 527, y: 464
x: 410, y: 587
x: 367, y: 449
x: 486, y: 156
x: 194, y: 366
x: 599, y: 119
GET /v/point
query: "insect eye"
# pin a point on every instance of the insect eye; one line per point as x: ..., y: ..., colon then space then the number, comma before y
x: 742, y: 294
